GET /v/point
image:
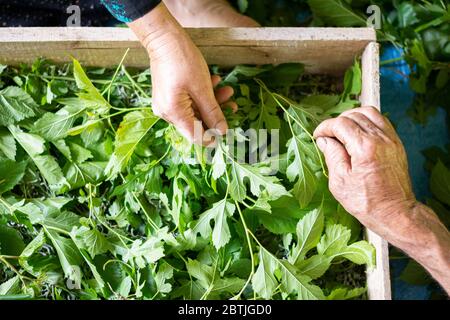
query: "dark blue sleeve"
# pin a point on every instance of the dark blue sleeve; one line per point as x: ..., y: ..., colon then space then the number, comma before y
x: 129, y: 10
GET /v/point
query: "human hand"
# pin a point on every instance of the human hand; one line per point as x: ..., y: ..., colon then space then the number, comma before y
x: 368, y: 168
x: 182, y: 85
x: 208, y: 13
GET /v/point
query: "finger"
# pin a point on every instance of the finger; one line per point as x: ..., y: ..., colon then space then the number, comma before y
x: 215, y: 79
x: 345, y: 130
x: 224, y: 94
x: 378, y: 119
x: 337, y: 159
x: 373, y: 115
x: 368, y: 126
x: 210, y: 111
x: 230, y: 105
x: 189, y: 126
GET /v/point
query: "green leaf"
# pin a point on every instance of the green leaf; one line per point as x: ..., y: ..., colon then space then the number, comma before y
x: 15, y: 105
x: 7, y: 144
x: 352, y: 87
x: 64, y: 221
x: 134, y: 127
x: 406, y: 15
x: 257, y: 180
x: 440, y: 183
x: 91, y: 96
x: 11, y: 242
x: 47, y: 165
x: 334, y: 241
x: 218, y: 164
x: 203, y: 273
x: 68, y: 254
x: 309, y: 231
x: 11, y: 173
x: 315, y: 266
x: 62, y: 147
x: 211, y: 284
x: 336, y: 13
x: 92, y: 240
x: 292, y: 281
x: 307, y: 182
x: 33, y: 144
x: 78, y: 153
x: 54, y: 126
x: 219, y: 212
x: 360, y: 252
x: 51, y: 171
x: 144, y: 252
x: 264, y: 282
x: 78, y: 175
x: 10, y: 287
x: 165, y: 272
x: 345, y: 293
x: 30, y: 249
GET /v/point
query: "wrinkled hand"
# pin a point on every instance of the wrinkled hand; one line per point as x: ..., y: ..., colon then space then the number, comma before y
x: 208, y: 13
x: 368, y: 168
x: 182, y: 85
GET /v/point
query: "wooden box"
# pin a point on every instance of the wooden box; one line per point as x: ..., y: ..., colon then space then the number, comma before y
x: 322, y: 50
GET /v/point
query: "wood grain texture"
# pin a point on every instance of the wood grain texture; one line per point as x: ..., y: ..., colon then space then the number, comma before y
x: 378, y: 280
x: 322, y: 50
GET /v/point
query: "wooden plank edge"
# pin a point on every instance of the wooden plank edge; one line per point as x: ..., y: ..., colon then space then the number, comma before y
x: 378, y: 279
x: 201, y: 36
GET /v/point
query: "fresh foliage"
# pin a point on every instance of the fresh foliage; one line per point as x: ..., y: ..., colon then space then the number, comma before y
x: 101, y: 199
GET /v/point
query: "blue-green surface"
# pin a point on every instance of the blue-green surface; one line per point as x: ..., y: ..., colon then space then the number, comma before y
x: 396, y: 98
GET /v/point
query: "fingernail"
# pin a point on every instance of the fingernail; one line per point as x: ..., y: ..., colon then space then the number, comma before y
x: 321, y: 143
x: 222, y: 127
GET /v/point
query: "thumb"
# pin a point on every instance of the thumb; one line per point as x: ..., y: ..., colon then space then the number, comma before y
x: 210, y: 112
x: 336, y: 156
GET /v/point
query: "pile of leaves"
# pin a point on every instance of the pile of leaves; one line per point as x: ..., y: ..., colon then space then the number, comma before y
x: 421, y: 31
x: 100, y: 199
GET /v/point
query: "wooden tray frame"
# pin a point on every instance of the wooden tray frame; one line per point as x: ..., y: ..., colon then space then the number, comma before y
x: 322, y: 50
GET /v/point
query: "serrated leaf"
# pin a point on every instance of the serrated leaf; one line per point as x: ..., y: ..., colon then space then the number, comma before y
x: 11, y: 173
x: 334, y: 241
x: 7, y: 144
x: 360, y: 252
x: 218, y: 164
x: 240, y: 173
x: 32, y: 143
x: 309, y: 230
x: 15, y: 105
x: 10, y: 287
x: 264, y: 282
x: 300, y: 171
x: 68, y: 254
x: 345, y: 293
x: 54, y: 126
x: 91, y: 96
x: 92, y: 240
x: 294, y: 282
x: 315, y: 266
x: 132, y: 130
x: 219, y: 212
x: 11, y: 242
x: 79, y: 154
x: 144, y: 252
x: 165, y: 272
x: 336, y: 13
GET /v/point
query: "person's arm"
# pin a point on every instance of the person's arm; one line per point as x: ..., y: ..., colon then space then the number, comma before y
x: 368, y: 173
x: 182, y: 86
